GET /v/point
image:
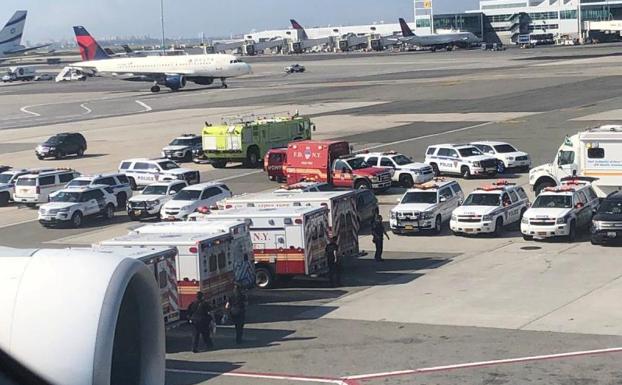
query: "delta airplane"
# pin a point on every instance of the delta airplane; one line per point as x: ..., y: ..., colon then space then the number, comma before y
x: 11, y: 37
x: 169, y: 71
x: 436, y: 41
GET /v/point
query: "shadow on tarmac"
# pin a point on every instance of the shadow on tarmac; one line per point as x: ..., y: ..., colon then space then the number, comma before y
x: 197, y: 378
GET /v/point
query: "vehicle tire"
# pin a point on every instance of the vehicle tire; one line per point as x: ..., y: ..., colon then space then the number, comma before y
x: 121, y: 200
x: 219, y: 164
x: 252, y: 157
x: 4, y: 199
x: 133, y: 185
x: 438, y: 225
x: 108, y: 213
x: 524, y: 169
x: 362, y: 184
x: 527, y: 237
x: 435, y: 169
x: 500, y: 167
x: 264, y: 278
x: 59, y: 155
x: 80, y: 152
x: 594, y: 242
x: 572, y: 233
x: 76, y: 220
x: 406, y: 181
x: 465, y: 172
x: 40, y: 157
x: 542, y: 185
x: 133, y: 217
x: 188, y: 157
x: 498, y: 228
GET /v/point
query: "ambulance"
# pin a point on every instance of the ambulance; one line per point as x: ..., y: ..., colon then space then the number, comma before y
x: 204, y: 263
x: 343, y: 219
x: 287, y: 241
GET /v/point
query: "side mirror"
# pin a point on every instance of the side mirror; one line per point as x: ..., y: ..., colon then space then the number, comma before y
x: 398, y: 200
x: 313, y: 127
x: 579, y: 206
x: 443, y: 199
x: 172, y: 192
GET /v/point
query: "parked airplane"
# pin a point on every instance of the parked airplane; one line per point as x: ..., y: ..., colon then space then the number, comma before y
x: 11, y: 37
x: 437, y: 41
x: 169, y: 71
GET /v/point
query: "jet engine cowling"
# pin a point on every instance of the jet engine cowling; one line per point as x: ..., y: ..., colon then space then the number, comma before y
x: 203, y: 81
x: 175, y: 82
x: 82, y: 317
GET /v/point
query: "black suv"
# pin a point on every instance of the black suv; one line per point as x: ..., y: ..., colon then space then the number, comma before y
x: 60, y: 145
x: 607, y: 222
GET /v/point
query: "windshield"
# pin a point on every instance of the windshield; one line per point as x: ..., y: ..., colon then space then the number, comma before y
x: 469, y: 151
x: 553, y: 202
x: 428, y: 197
x: 155, y: 190
x: 482, y: 200
x: 611, y: 207
x: 168, y: 165
x: 504, y: 148
x: 53, y: 140
x: 78, y: 183
x: 67, y: 196
x: 357, y: 163
x: 187, y: 195
x: 5, y: 178
x: 181, y: 142
x: 401, y: 160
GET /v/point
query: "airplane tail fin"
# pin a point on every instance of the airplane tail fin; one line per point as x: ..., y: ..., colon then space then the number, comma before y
x: 299, y: 28
x: 89, y: 48
x: 406, y: 31
x: 11, y: 34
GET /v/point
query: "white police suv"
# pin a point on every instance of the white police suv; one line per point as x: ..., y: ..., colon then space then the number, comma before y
x: 149, y: 202
x: 71, y: 206
x: 507, y: 155
x: 118, y: 182
x: 183, y: 147
x: 488, y: 209
x: 406, y: 172
x: 142, y: 172
x: 460, y: 159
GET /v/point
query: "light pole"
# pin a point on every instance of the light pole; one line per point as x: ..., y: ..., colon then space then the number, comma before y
x: 162, y: 23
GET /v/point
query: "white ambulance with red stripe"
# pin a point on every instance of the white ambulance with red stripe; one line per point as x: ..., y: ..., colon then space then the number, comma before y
x: 287, y: 241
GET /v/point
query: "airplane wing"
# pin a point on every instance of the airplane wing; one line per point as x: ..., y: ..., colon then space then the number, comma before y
x: 25, y: 49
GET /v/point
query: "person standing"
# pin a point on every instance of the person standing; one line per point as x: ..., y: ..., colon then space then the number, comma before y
x: 378, y: 234
x: 199, y: 314
x: 236, y: 305
x: 334, y: 262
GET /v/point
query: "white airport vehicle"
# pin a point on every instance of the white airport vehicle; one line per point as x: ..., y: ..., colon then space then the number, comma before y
x: 36, y: 187
x: 507, y: 155
x: 183, y: 147
x: 406, y: 172
x: 119, y: 184
x: 426, y: 207
x: 149, y: 201
x: 302, y: 187
x: 460, y: 159
x: 204, y: 263
x: 489, y: 208
x: 8, y: 179
x: 19, y: 73
x: 561, y: 211
x: 295, y: 68
x: 71, y: 206
x: 241, y: 247
x: 43, y: 77
x: 287, y: 241
x: 343, y: 218
x: 69, y: 74
x: 191, y: 198
x: 142, y: 172
x: 596, y: 153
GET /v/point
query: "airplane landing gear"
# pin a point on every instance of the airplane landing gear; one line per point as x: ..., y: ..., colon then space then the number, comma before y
x: 223, y: 83
x: 155, y: 89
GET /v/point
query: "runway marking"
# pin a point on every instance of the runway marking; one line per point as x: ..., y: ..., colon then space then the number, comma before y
x: 266, y: 376
x: 25, y: 110
x: 17, y: 223
x: 480, y: 364
x: 239, y: 176
x: 145, y: 106
x: 88, y: 110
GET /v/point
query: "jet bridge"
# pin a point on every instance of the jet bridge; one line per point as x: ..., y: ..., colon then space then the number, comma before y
x: 304, y: 45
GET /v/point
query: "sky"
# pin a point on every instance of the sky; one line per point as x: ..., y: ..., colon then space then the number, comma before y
x: 53, y: 19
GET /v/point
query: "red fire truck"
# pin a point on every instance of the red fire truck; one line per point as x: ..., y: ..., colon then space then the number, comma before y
x: 332, y: 162
x: 274, y: 164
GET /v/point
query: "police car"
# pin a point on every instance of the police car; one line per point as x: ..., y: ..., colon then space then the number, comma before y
x: 561, y: 211
x: 119, y: 184
x: 142, y: 172
x: 70, y: 206
x: 507, y: 155
x: 183, y: 147
x: 150, y: 201
x: 460, y: 159
x: 426, y: 207
x: 488, y: 209
x: 405, y: 172
x: 191, y: 198
x: 7, y: 183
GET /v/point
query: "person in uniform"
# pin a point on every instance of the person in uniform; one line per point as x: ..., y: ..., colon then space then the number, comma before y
x: 199, y: 314
x: 236, y: 305
x: 378, y: 234
x: 334, y: 263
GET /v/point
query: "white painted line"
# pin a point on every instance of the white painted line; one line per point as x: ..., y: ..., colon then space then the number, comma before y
x: 238, y: 176
x: 264, y: 376
x: 486, y: 363
x: 88, y: 110
x: 25, y: 110
x: 17, y: 223
x: 143, y: 105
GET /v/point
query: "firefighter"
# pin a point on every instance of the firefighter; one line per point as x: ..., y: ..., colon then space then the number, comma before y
x: 378, y: 233
x: 236, y: 305
x: 199, y: 314
x: 334, y: 263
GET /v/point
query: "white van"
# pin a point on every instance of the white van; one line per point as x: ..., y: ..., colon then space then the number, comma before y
x: 37, y: 186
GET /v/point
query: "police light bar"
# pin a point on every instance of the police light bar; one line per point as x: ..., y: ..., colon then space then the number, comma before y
x: 577, y: 179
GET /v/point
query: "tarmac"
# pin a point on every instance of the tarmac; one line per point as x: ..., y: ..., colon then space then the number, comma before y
x: 441, y: 309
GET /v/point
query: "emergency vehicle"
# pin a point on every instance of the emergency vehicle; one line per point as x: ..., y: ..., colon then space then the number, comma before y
x: 72, y: 205
x: 460, y: 159
x: 247, y: 138
x: 507, y: 155
x: 594, y: 153
x: 287, y: 241
x: 37, y: 186
x: 426, y: 207
x: 332, y: 162
x: 142, y: 172
x: 274, y: 164
x: 561, y: 211
x: 489, y: 208
x: 7, y: 183
x: 343, y: 218
x: 241, y: 246
x: 204, y: 263
x: 406, y: 172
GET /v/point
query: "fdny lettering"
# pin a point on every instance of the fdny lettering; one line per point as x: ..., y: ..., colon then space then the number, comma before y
x: 260, y: 236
